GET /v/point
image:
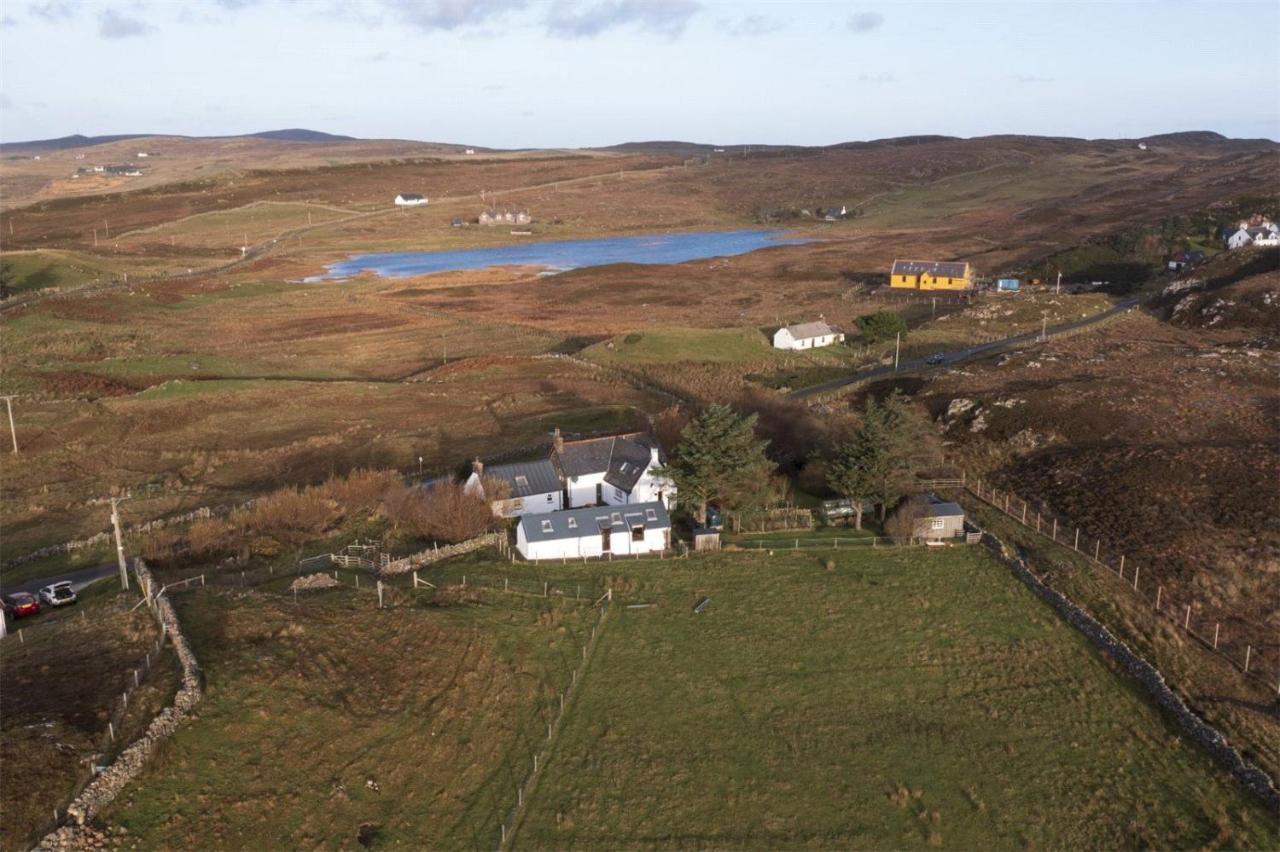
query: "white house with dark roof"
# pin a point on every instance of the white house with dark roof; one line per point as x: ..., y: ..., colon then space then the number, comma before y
x: 612, y: 471
x: 806, y: 335
x: 595, y: 531
x: 409, y: 199
x: 531, y: 487
x: 615, y: 471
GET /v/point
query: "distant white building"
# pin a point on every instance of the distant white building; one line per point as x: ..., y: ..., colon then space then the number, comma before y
x: 806, y: 335
x: 504, y: 216
x: 595, y: 531
x: 409, y: 199
x: 1264, y: 234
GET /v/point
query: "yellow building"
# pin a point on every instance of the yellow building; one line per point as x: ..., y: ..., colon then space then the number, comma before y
x: 930, y: 275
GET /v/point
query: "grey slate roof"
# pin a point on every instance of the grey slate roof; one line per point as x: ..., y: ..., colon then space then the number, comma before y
x: 933, y: 267
x: 806, y: 330
x: 588, y: 522
x: 526, y: 478
x: 622, y: 458
x: 939, y: 509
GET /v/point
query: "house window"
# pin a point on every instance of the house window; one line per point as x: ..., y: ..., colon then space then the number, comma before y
x: 546, y: 526
x: 573, y: 523
x: 637, y: 533
x: 939, y: 523
x: 620, y: 494
x: 650, y: 514
x: 551, y: 498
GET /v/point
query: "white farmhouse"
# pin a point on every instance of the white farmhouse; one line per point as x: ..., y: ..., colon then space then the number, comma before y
x: 531, y: 487
x: 806, y: 335
x: 619, y: 470
x: 595, y: 531
x: 409, y: 199
x: 1239, y: 239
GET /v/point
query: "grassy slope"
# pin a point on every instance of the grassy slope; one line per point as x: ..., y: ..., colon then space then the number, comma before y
x: 920, y: 698
x: 308, y: 703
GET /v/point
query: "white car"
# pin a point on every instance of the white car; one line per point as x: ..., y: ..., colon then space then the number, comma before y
x: 58, y: 594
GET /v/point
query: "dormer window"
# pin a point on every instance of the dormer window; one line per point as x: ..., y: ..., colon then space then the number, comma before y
x: 546, y: 526
x: 573, y: 523
x: 650, y: 514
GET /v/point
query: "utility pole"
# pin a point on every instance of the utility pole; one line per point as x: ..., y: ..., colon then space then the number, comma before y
x: 419, y: 467
x: 897, y: 348
x: 115, y: 522
x: 1044, y: 328
x: 8, y: 403
x: 1057, y: 288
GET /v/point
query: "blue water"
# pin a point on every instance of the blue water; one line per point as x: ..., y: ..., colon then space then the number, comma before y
x: 565, y: 254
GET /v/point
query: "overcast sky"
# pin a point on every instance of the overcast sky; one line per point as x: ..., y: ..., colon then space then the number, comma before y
x: 522, y: 73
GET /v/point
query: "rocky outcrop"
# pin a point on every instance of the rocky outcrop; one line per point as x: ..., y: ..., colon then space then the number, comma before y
x: 108, y: 784
x: 314, y: 581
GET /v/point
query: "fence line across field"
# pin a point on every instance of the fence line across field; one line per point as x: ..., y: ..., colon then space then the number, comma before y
x: 1178, y: 612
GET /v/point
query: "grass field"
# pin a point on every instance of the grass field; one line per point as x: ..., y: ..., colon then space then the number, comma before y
x: 899, y: 701
x: 60, y: 685
x: 327, y: 715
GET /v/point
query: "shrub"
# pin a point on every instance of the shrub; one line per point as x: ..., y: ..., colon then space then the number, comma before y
x: 452, y: 515
x: 633, y: 338
x: 903, y: 521
x: 361, y: 491
x: 209, y: 536
x: 291, y: 517
x: 882, y: 325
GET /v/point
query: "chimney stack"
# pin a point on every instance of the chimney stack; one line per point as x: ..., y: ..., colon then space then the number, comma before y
x: 478, y: 466
x: 557, y: 441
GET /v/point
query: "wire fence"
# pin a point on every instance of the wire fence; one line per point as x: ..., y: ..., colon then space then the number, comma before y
x: 1242, y: 652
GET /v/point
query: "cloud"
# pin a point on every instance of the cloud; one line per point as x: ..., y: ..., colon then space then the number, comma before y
x: 380, y: 56
x: 112, y: 24
x: 751, y: 25
x: 877, y: 79
x: 865, y: 22
x: 664, y: 17
x: 1031, y: 79
x: 52, y: 10
x: 450, y: 14
x: 6, y: 102
x: 8, y: 21
x: 493, y: 87
x: 236, y: 4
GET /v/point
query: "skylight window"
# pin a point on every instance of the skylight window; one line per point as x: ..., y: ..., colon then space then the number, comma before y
x: 546, y: 526
x: 522, y: 482
x: 650, y: 514
x: 573, y: 523
x: 616, y: 518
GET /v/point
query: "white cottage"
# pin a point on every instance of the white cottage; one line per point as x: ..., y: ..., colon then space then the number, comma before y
x: 531, y: 487
x: 618, y: 470
x: 806, y: 335
x: 409, y: 199
x: 594, y: 532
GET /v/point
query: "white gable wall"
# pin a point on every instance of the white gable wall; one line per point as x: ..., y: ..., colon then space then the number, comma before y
x: 589, y: 545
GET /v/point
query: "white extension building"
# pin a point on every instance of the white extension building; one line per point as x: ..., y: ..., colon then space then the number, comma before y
x: 409, y: 199
x: 595, y: 531
x: 806, y: 335
x: 619, y: 470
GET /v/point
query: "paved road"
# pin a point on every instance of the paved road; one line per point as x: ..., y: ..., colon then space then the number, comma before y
x: 956, y: 356
x: 79, y: 578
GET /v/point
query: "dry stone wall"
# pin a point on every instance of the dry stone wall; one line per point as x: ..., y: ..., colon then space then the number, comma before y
x: 426, y: 557
x: 108, y: 784
x: 1148, y: 676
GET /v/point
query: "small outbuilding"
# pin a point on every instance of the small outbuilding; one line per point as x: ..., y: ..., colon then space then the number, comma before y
x: 595, y: 531
x: 940, y: 520
x: 1008, y: 285
x: 806, y: 335
x: 409, y: 199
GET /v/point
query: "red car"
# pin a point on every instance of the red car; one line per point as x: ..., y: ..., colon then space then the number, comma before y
x: 22, y: 604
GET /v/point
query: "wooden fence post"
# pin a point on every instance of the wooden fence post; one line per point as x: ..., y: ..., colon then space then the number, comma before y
x: 1055, y: 529
x: 1216, y: 627
x: 1248, y: 652
x: 1024, y: 513
x: 1121, y: 572
x: 1186, y: 624
x: 1076, y: 546
x: 1097, y: 549
x: 1136, y: 569
x: 1159, y: 589
x: 1037, y: 520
